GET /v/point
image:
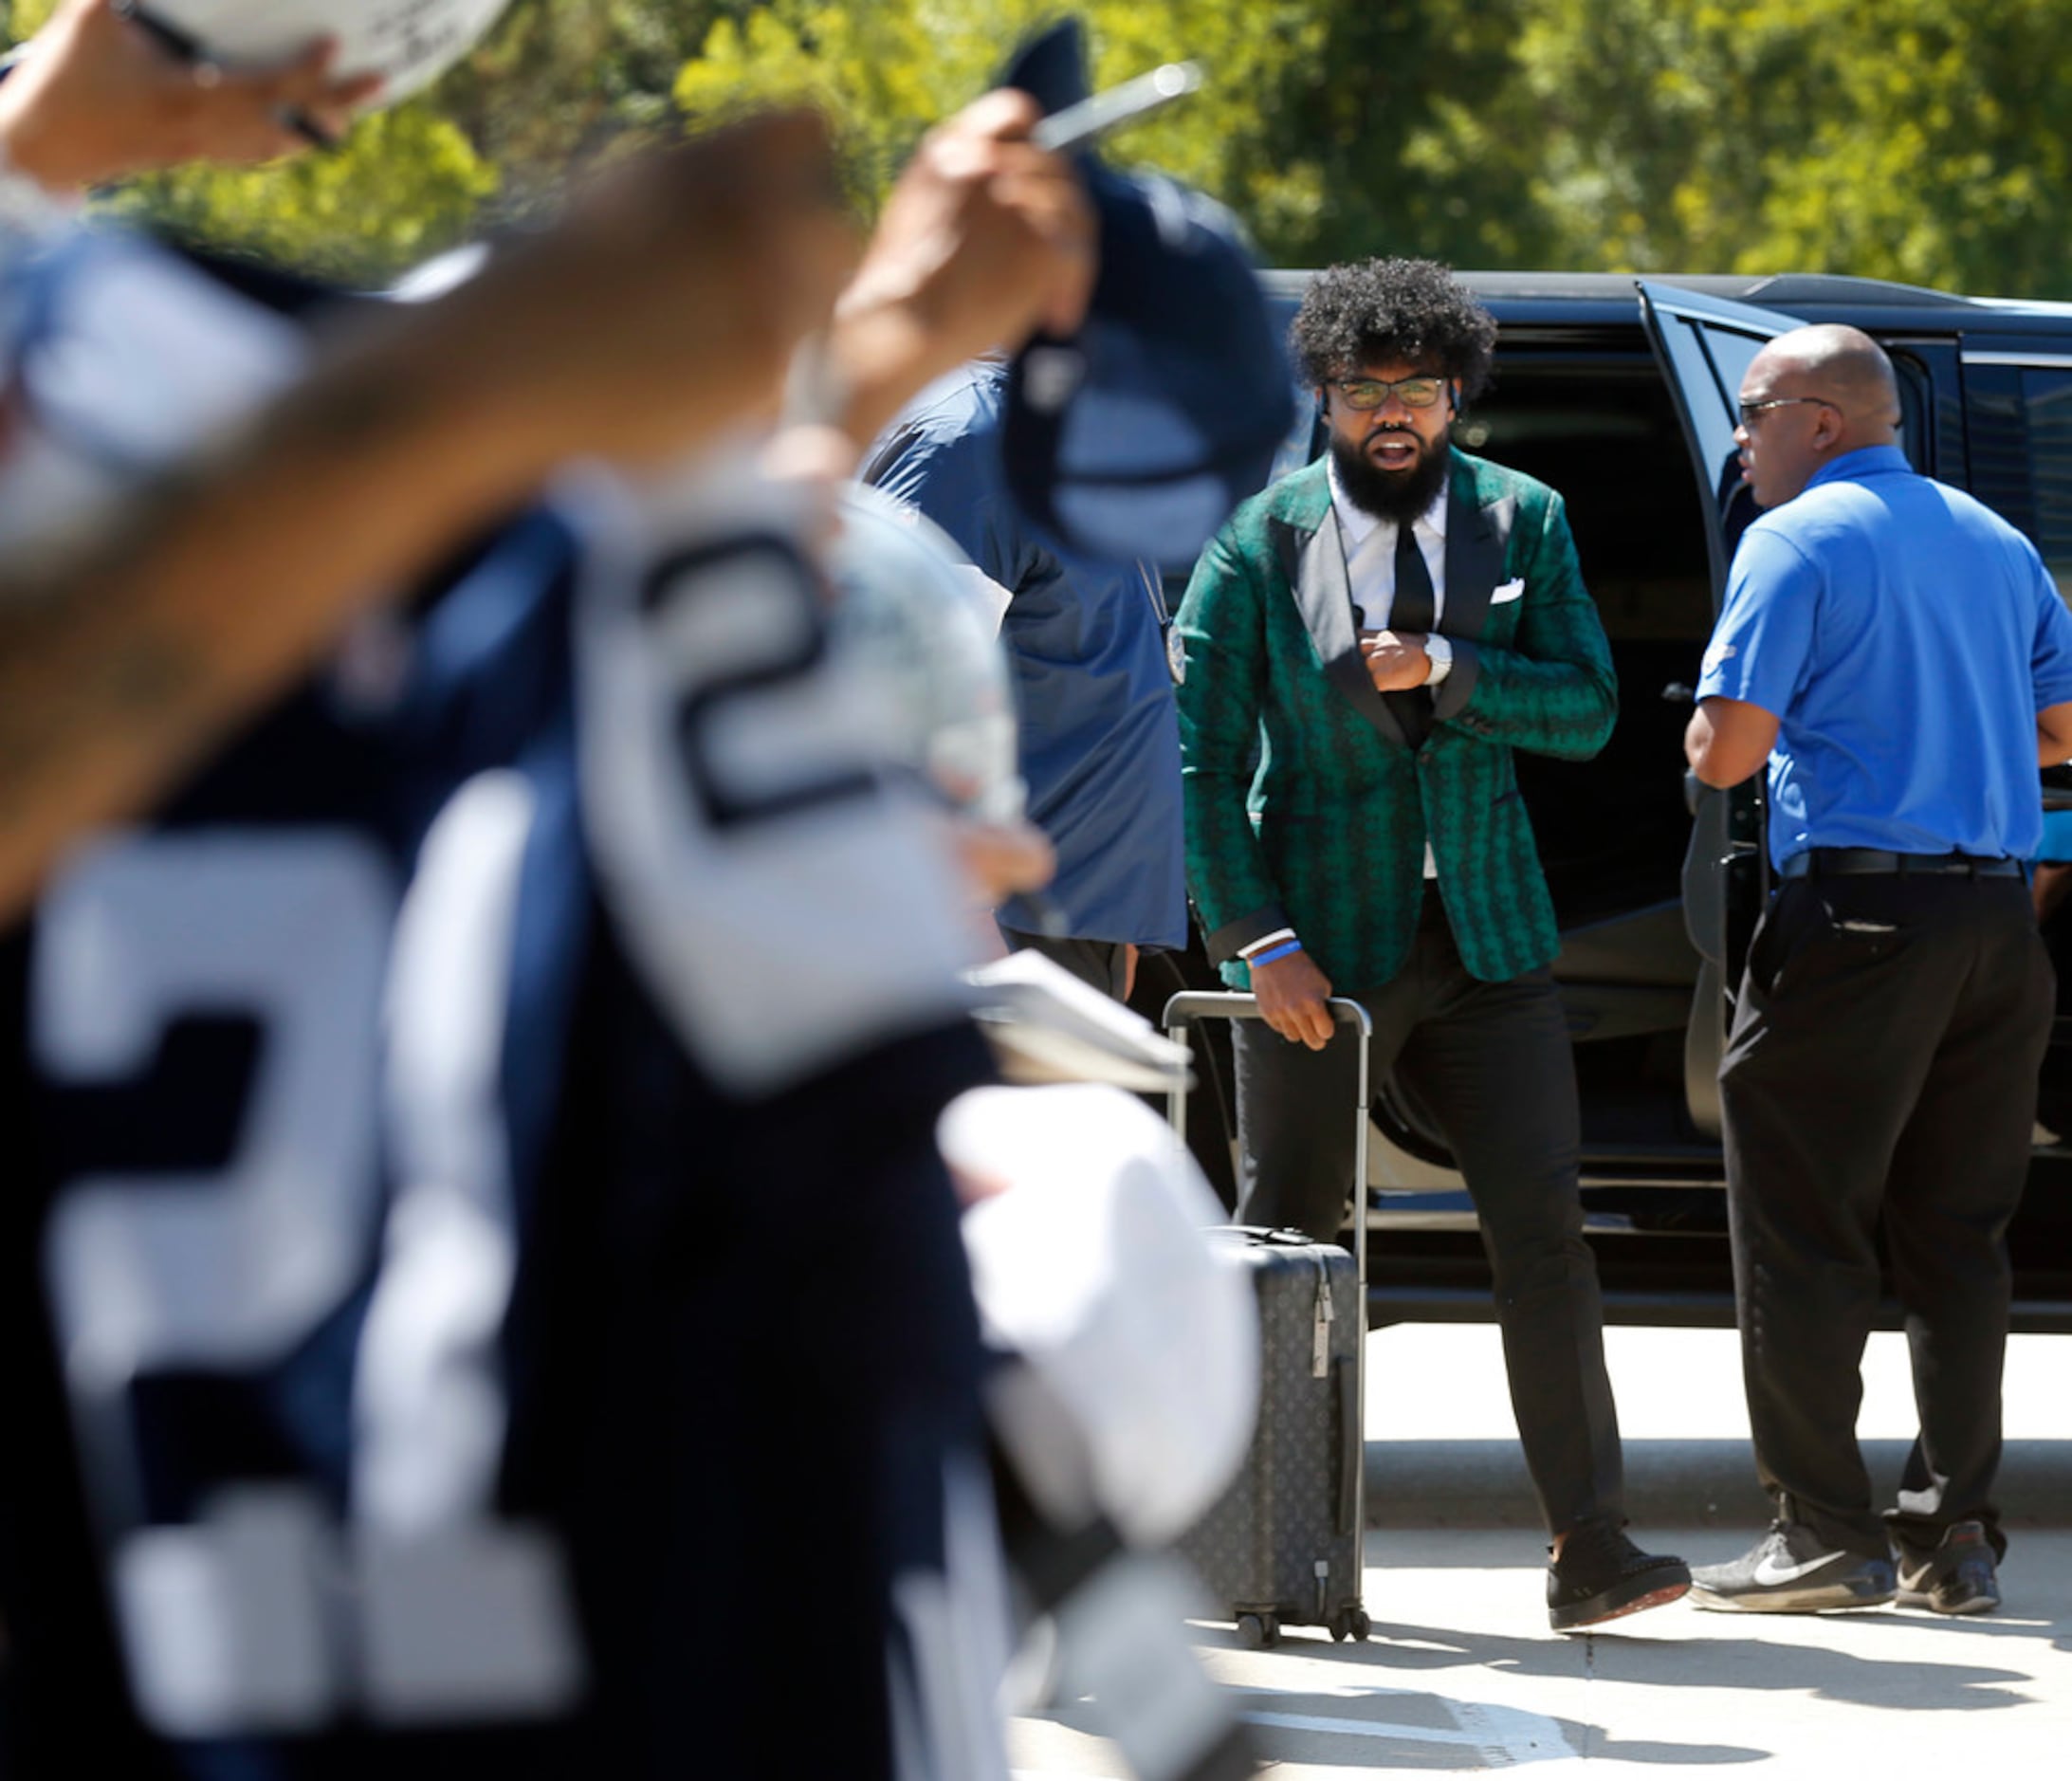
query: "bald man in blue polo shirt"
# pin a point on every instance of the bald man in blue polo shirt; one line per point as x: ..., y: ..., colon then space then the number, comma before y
x: 1900, y: 658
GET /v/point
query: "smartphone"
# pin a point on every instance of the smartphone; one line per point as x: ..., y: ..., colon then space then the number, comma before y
x: 1092, y: 119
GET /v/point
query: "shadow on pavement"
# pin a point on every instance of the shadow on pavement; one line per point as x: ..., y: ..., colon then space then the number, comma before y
x: 1400, y: 1731
x: 1750, y: 1661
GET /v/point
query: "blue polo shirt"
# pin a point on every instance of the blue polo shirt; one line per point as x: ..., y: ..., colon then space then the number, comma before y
x: 1905, y: 636
x: 1100, y: 736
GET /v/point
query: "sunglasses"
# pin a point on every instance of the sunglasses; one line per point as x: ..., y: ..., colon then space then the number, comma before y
x: 1749, y: 410
x: 1364, y: 394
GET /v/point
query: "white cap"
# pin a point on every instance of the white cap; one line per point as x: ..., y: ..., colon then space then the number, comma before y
x: 1093, y: 1267
x: 409, y: 44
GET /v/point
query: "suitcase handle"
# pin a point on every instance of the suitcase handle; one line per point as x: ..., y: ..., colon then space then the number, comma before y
x: 1189, y: 1005
x: 1205, y: 1004
x: 1239, y: 1005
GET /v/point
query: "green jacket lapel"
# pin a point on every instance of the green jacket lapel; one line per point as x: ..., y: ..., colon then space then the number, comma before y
x: 1312, y: 561
x: 1316, y: 567
x: 1477, y: 541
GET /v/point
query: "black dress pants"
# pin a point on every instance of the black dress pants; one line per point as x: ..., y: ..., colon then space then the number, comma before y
x: 1881, y: 1070
x: 1102, y: 965
x: 1493, y: 1062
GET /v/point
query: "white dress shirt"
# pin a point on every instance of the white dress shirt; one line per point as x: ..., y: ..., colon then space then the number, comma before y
x: 1369, y: 544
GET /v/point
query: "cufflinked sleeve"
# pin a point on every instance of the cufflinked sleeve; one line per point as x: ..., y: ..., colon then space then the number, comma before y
x: 1221, y: 630
x: 1551, y: 689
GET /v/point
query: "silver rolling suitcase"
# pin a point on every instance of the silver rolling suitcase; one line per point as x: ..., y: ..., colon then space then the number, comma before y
x: 1282, y: 1547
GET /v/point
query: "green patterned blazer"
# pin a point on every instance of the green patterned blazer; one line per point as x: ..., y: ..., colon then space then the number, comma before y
x: 1306, y: 808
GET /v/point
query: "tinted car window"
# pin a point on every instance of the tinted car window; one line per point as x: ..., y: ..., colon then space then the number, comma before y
x: 2020, y: 431
x: 2046, y: 398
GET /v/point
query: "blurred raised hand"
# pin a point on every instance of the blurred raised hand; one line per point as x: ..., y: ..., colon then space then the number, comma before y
x: 98, y: 95
x: 984, y: 239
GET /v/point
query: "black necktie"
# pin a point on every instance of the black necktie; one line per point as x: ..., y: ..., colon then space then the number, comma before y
x: 1413, y: 611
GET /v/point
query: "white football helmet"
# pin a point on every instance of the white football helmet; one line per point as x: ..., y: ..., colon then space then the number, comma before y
x: 409, y: 45
x: 923, y: 620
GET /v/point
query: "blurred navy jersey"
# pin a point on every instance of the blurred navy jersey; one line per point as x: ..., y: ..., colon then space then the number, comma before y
x: 277, y: 1189
x: 278, y: 1144
x: 450, y: 1345
x: 1100, y: 739
x: 475, y: 1252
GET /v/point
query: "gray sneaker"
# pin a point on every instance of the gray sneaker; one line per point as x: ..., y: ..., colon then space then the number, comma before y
x: 1789, y: 1570
x: 1957, y: 1577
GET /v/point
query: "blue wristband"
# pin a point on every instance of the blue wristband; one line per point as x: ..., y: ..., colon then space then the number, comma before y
x: 1280, y: 952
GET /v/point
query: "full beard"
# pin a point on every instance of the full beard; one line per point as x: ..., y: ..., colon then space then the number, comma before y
x: 1396, y: 495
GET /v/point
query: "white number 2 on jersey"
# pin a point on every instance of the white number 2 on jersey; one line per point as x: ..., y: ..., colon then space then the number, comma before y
x: 242, y: 1620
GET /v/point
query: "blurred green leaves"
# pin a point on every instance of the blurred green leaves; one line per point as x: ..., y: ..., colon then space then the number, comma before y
x: 1921, y: 139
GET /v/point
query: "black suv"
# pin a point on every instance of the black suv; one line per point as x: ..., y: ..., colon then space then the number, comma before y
x: 1622, y: 393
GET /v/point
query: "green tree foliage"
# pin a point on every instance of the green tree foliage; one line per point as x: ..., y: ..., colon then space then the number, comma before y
x: 885, y: 72
x: 1330, y: 126
x: 407, y: 185
x: 1396, y: 126
x: 560, y: 83
x: 557, y: 83
x: 1921, y: 139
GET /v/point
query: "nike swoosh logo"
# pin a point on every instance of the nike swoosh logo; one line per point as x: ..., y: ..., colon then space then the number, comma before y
x: 1768, y: 1570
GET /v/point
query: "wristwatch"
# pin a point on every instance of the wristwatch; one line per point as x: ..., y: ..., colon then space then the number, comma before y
x: 1440, y: 654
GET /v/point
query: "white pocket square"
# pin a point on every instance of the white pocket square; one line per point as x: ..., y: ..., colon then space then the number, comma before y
x: 1508, y: 590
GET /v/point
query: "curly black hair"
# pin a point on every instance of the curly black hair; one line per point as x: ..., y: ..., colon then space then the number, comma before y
x: 1374, y: 311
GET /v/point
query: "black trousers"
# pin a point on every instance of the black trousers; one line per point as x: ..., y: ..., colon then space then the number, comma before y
x: 1881, y: 1071
x: 1103, y: 965
x: 1493, y: 1062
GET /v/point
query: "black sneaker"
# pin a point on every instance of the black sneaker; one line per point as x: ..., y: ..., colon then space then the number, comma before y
x: 1957, y: 1577
x: 1789, y: 1571
x: 1601, y: 1575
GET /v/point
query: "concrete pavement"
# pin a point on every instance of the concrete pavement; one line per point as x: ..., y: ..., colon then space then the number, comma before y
x: 1442, y: 1447
x: 1462, y: 1675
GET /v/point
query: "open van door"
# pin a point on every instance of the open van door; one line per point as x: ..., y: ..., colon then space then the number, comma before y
x: 1704, y: 345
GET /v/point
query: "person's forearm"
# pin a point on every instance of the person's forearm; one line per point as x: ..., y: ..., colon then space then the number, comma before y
x: 662, y: 308
x: 217, y: 586
x: 1728, y: 740
x: 1563, y: 706
x: 983, y: 239
x: 873, y: 362
x: 99, y: 96
x: 2054, y: 734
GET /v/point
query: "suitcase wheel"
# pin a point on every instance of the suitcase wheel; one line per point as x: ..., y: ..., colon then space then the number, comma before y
x: 1351, y: 1623
x: 1256, y: 1632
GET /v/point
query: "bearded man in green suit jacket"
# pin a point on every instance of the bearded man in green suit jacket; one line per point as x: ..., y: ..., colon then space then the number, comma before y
x: 1366, y: 643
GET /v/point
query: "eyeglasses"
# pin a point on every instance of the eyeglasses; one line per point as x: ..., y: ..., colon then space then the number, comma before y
x: 1364, y: 393
x: 1749, y: 410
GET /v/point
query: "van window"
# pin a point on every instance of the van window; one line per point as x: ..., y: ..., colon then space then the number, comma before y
x: 2018, y: 427
x: 1599, y: 426
x: 2046, y: 395
x: 1600, y: 431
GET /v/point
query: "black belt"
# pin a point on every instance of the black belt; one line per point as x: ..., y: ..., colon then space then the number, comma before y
x: 1861, y: 862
